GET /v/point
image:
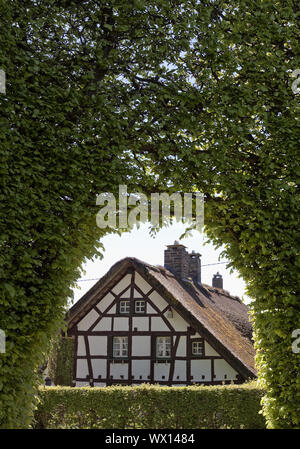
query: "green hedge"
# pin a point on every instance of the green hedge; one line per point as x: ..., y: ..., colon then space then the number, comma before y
x: 151, y: 407
x: 60, y: 361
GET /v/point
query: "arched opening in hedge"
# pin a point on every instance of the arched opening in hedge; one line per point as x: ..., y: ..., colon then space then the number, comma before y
x: 178, y: 96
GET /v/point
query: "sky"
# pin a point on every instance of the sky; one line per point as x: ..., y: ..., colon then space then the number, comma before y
x: 138, y: 243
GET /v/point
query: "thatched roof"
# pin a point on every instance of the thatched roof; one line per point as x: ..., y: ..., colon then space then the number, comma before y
x: 222, y: 319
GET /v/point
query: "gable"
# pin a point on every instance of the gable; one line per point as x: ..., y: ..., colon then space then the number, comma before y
x: 131, y: 287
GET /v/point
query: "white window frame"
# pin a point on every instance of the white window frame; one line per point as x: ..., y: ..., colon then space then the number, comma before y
x: 197, y: 348
x: 139, y: 306
x: 163, y: 347
x: 120, y: 347
x: 124, y: 306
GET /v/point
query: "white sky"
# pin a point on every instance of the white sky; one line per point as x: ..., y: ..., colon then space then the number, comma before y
x: 138, y: 243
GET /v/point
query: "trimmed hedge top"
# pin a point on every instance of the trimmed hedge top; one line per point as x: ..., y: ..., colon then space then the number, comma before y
x: 151, y: 407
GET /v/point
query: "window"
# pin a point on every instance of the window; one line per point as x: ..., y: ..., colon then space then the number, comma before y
x: 124, y: 306
x: 120, y: 347
x: 197, y: 348
x: 163, y: 347
x: 140, y: 306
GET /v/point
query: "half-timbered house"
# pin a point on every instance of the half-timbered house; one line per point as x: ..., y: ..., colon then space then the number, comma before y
x: 151, y: 324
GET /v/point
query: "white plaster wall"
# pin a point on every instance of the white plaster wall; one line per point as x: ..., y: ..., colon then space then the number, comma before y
x: 105, y: 302
x: 181, y: 349
x: 142, y: 323
x: 141, y: 283
x: 127, y: 293
x: 137, y: 294
x: 199, y: 368
x: 119, y: 369
x: 81, y: 346
x: 158, y: 300
x: 141, y: 345
x: 122, y: 284
x: 141, y: 368
x: 82, y: 384
x: 209, y: 350
x: 121, y: 324
x: 150, y: 309
x: 88, y: 320
x: 178, y: 322
x: 112, y: 310
x: 180, y: 370
x: 161, y: 369
x: 99, y: 367
x: 82, y: 368
x: 99, y: 384
x: 98, y: 345
x: 222, y: 368
x: 103, y: 325
x: 157, y: 324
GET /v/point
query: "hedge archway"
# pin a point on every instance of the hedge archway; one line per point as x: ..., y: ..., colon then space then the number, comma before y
x: 179, y: 95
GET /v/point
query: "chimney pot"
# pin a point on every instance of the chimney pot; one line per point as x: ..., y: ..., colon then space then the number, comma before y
x: 217, y: 280
x: 195, y: 267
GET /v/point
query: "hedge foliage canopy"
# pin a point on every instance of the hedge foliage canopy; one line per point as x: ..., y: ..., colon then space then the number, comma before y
x: 155, y: 95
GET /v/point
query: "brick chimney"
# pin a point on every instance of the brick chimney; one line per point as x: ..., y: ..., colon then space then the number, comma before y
x: 180, y: 262
x: 177, y: 260
x: 217, y: 281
